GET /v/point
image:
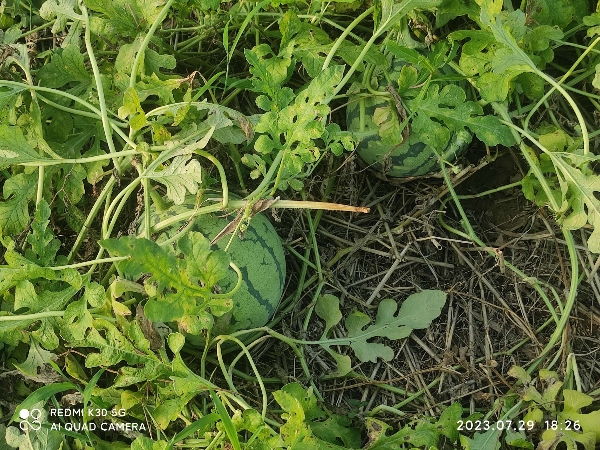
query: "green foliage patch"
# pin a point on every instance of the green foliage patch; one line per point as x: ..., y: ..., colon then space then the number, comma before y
x: 125, y: 124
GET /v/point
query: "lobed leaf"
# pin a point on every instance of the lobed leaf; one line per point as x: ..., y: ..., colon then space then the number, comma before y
x: 416, y: 312
x: 182, y: 175
x: 66, y: 66
x: 452, y: 113
x: 180, y: 288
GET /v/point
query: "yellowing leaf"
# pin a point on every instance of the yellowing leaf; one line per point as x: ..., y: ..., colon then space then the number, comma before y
x: 35, y: 364
x: 179, y: 288
x: 181, y: 176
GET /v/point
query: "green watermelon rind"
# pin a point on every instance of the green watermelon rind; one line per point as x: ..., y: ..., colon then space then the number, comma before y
x: 259, y: 256
x: 403, y: 160
x: 261, y: 259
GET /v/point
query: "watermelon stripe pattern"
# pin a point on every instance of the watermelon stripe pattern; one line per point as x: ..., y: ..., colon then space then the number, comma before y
x: 412, y: 158
x: 261, y: 259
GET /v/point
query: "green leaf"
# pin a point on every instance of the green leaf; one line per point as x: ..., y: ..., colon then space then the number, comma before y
x: 343, y: 364
x: 113, y: 345
x: 169, y: 410
x: 455, y: 113
x: 72, y: 188
x: 182, y: 286
x: 94, y: 294
x: 423, y: 434
x: 580, y: 194
x: 146, y: 443
x: 490, y: 440
x: 328, y: 309
x: 520, y: 374
x: 43, y: 244
x: 17, y: 190
x: 181, y: 176
x: 337, y: 430
x: 409, y: 55
x: 300, y: 123
x: 27, y: 299
x: 307, y: 400
x: 7, y: 95
x: 63, y: 10
x: 163, y: 89
x: 131, y: 108
x: 296, y: 432
x: 451, y: 9
x: 557, y: 12
x: 77, y: 319
x: 416, y: 312
x: 269, y: 74
x: 448, y: 421
x: 66, y: 66
x: 518, y: 439
x: 126, y: 17
x: 42, y: 439
x: 575, y: 400
x: 176, y: 341
x: 408, y: 77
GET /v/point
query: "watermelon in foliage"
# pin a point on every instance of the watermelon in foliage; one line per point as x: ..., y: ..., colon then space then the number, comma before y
x: 418, y: 115
x: 259, y: 256
x: 180, y: 286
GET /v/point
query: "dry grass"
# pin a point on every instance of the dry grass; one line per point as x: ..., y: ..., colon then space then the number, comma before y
x: 493, y: 319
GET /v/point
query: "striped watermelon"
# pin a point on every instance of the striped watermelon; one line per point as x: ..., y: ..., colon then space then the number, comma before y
x: 399, y: 159
x: 260, y: 258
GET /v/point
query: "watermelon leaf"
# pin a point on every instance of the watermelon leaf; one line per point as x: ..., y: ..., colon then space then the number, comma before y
x: 180, y: 176
x: 290, y: 125
x: 303, y: 430
x: 33, y: 367
x: 179, y: 287
x: 416, y: 312
x: 490, y: 440
x: 18, y: 190
x: 43, y: 244
x: 439, y: 113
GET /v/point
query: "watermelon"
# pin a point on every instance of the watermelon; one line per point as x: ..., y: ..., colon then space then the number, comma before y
x: 260, y: 258
x: 393, y: 157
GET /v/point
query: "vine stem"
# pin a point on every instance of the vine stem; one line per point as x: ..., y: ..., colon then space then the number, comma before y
x: 101, y: 100
x: 104, y: 194
x: 400, y: 12
x: 228, y: 375
x: 78, y: 112
x: 237, y: 204
x: 89, y: 159
x: 569, y: 99
x: 570, y: 303
x: 222, y: 175
x: 140, y: 54
x: 345, y: 34
x: 256, y: 193
x: 132, y: 80
x: 556, y: 86
x: 36, y: 316
x: 90, y: 263
x: 51, y: 91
